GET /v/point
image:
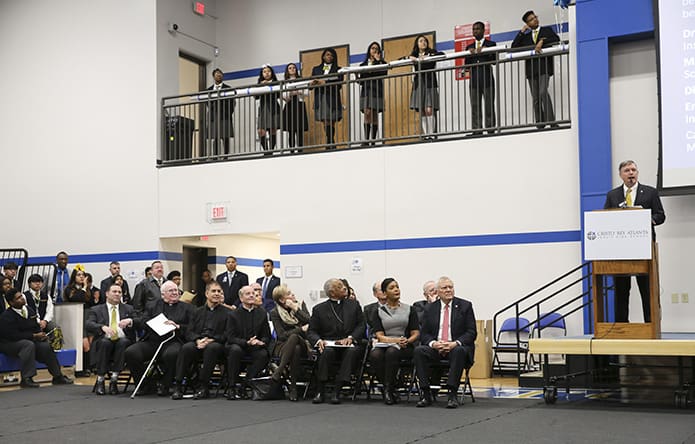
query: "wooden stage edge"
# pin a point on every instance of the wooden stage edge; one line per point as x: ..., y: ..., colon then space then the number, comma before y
x: 670, y: 344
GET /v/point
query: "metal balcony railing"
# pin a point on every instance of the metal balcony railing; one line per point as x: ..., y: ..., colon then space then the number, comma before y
x: 224, y: 124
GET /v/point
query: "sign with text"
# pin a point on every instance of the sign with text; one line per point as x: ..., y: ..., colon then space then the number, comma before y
x: 463, y: 36
x: 624, y: 234
x: 217, y: 212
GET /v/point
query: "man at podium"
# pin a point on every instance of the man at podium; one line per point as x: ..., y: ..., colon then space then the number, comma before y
x: 634, y: 194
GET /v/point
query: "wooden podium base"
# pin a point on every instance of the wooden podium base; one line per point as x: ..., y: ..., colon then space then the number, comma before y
x: 625, y: 330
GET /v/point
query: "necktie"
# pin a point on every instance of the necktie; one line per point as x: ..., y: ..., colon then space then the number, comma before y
x: 445, y: 324
x: 628, y: 197
x: 37, y: 298
x: 114, y: 324
x: 535, y: 36
x: 265, y: 286
x: 478, y: 44
x: 25, y: 314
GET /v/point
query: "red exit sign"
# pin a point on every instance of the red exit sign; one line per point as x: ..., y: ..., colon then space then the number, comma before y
x: 218, y: 212
x: 199, y: 8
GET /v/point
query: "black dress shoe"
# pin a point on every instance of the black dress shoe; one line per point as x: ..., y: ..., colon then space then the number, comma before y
x: 320, y: 398
x: 425, y: 399
x: 162, y: 390
x: 29, y: 383
x: 388, y: 396
x: 452, y: 400
x: 335, y: 399
x: 113, y: 387
x: 61, y: 380
x: 232, y: 395
x: 202, y: 393
x: 178, y: 393
x: 292, y: 395
x: 100, y: 390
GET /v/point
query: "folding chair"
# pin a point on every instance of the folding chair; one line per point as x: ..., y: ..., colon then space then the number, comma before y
x: 511, y: 353
x: 465, y: 388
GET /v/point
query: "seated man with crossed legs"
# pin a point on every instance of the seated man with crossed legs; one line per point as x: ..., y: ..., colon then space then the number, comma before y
x: 112, y: 326
x: 448, y: 332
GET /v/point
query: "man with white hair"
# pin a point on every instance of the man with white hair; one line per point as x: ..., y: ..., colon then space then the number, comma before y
x: 448, y: 332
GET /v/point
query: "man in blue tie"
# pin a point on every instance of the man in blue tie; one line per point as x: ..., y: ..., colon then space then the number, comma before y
x: 268, y: 283
x: 62, y: 276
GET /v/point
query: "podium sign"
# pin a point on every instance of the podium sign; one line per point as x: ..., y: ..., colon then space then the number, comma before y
x: 622, y: 234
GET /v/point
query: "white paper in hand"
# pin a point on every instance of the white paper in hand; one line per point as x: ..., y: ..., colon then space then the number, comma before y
x: 157, y: 324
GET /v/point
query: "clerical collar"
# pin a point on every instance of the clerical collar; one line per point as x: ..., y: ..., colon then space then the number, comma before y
x: 249, y: 309
x: 336, y: 301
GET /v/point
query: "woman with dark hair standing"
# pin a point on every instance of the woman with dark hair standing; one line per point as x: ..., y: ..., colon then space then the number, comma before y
x: 125, y: 297
x: 268, y: 110
x: 372, y: 92
x: 425, y: 95
x: 294, y: 115
x: 328, y: 105
x: 396, y: 331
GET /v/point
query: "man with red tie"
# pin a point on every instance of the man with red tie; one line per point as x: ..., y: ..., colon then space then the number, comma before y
x: 448, y: 333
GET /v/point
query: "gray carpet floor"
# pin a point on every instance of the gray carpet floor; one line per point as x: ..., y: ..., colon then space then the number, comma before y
x: 65, y: 414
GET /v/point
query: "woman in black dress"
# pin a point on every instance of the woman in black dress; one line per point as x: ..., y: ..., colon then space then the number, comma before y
x: 372, y: 92
x: 328, y: 104
x: 425, y: 95
x: 295, y: 120
x: 268, y: 110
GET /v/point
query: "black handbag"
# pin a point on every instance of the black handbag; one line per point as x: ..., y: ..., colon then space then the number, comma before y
x: 265, y: 389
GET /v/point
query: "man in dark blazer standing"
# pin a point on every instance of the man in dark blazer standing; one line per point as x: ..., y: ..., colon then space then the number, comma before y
x: 268, y: 284
x: 231, y: 282
x: 336, y: 328
x: 112, y: 326
x: 448, y: 332
x: 634, y: 194
x: 482, y: 82
x: 220, y: 113
x: 21, y: 337
x: 149, y: 289
x: 539, y: 69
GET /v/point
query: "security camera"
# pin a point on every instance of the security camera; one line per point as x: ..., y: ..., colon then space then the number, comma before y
x: 173, y: 27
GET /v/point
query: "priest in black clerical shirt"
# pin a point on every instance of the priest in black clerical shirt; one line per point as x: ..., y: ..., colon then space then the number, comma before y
x: 336, y: 328
x: 206, y: 336
x: 248, y: 335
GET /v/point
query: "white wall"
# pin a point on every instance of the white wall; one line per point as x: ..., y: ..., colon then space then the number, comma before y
x: 635, y: 135
x: 79, y: 133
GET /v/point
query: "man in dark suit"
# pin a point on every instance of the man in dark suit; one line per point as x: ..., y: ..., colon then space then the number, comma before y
x: 179, y: 315
x: 370, y: 310
x: 231, y: 282
x: 336, y: 329
x: 429, y: 291
x: 448, y: 332
x: 62, y: 276
x: 268, y: 284
x: 21, y: 337
x: 112, y: 326
x: 206, y: 338
x: 482, y: 82
x: 149, y: 289
x: 115, y: 270
x: 539, y: 69
x: 633, y: 194
x: 220, y: 111
x: 248, y: 335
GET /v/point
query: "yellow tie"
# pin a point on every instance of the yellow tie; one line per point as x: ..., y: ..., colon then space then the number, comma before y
x: 25, y: 314
x: 114, y: 324
x: 535, y: 36
x: 478, y: 44
x: 628, y: 197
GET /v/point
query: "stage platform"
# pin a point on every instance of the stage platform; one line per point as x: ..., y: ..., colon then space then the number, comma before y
x: 670, y: 344
x: 666, y: 363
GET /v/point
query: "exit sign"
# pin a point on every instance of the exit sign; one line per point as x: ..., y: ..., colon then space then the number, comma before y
x: 199, y: 8
x: 218, y: 212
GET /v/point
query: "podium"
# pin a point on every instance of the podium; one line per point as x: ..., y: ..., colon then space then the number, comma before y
x: 619, y: 242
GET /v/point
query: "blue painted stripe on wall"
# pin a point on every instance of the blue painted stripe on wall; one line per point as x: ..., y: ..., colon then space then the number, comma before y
x: 433, y: 242
x: 243, y: 261
x: 447, y: 45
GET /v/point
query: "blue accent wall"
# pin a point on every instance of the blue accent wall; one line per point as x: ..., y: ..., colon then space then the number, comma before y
x: 599, y: 21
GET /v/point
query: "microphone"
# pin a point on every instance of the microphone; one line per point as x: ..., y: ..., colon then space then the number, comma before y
x: 622, y: 204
